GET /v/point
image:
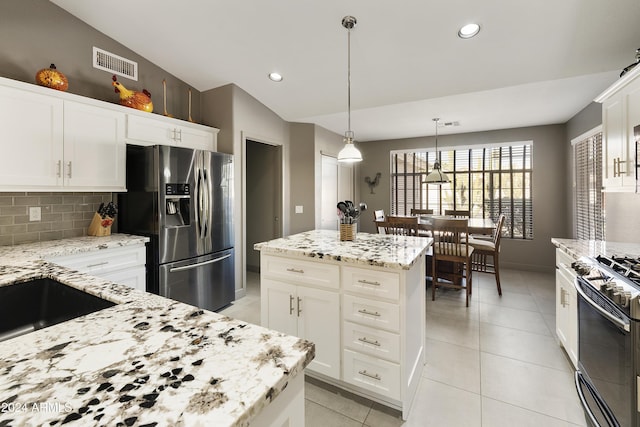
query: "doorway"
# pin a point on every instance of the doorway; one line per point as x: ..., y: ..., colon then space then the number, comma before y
x: 263, y: 197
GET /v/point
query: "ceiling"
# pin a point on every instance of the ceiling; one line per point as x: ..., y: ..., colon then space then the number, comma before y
x: 533, y: 62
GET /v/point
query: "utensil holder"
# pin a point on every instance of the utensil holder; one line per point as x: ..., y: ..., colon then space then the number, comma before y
x: 348, y: 232
x: 100, y: 226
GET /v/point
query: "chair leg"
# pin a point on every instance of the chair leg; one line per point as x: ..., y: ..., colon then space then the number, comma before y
x: 497, y: 272
x: 469, y: 283
x: 434, y: 278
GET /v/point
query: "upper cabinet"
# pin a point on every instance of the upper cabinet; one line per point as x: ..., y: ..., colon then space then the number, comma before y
x: 56, y: 141
x: 151, y: 130
x: 620, y: 113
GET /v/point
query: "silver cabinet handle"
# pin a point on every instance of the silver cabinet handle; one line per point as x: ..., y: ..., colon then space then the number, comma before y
x: 299, y: 309
x: 370, y: 313
x: 366, y: 341
x: 367, y: 374
x: 69, y: 175
x: 59, y: 170
x: 368, y: 282
x: 290, y: 305
x: 179, y: 134
x: 98, y: 264
x: 295, y: 270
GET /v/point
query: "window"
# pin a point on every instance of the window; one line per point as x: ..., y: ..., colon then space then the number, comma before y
x: 487, y: 181
x: 588, y: 188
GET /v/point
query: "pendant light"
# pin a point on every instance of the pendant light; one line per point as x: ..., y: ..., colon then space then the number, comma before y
x: 436, y: 176
x: 349, y: 154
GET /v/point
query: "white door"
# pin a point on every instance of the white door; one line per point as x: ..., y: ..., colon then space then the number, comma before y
x: 329, y: 195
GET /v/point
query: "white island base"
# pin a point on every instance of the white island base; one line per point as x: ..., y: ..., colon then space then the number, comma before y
x: 362, y: 303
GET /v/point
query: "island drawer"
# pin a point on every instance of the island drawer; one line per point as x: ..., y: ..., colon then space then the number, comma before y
x: 377, y: 314
x: 300, y: 271
x: 382, y: 284
x: 104, y: 260
x: 372, y: 341
x: 373, y: 374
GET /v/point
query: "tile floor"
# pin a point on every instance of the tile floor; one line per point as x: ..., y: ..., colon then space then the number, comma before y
x: 494, y: 364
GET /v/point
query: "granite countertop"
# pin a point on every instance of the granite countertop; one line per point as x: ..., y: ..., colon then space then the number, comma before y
x: 593, y: 248
x: 147, y: 361
x: 381, y: 250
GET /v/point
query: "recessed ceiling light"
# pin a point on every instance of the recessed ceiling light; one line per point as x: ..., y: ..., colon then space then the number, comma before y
x: 276, y: 77
x: 469, y: 31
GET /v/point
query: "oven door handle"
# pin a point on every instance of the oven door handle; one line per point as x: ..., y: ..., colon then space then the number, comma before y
x: 604, y: 409
x: 618, y: 322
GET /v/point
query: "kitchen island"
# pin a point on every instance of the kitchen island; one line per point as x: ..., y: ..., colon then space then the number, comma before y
x: 361, y: 302
x: 146, y: 361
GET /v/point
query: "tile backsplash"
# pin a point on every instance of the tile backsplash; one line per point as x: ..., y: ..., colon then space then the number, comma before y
x: 62, y: 215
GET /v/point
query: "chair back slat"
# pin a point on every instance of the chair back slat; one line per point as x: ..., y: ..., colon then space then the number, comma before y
x: 399, y: 225
x: 448, y: 236
x: 415, y: 211
x: 497, y: 234
x: 457, y: 213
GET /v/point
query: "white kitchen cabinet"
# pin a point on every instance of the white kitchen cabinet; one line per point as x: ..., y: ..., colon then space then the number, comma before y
x: 124, y: 265
x: 94, y: 148
x: 309, y: 313
x: 151, y: 130
x: 367, y: 321
x: 566, y: 306
x: 55, y: 143
x: 620, y: 113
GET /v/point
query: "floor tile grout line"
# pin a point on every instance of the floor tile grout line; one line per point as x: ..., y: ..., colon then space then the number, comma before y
x: 531, y: 410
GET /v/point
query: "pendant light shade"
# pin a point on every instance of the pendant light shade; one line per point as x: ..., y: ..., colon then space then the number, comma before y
x: 437, y: 177
x: 349, y: 154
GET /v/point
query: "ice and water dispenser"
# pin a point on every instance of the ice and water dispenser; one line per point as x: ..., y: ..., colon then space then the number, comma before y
x: 178, y: 200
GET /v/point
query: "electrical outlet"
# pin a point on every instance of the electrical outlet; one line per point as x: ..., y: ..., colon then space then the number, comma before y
x: 35, y: 213
x: 299, y: 209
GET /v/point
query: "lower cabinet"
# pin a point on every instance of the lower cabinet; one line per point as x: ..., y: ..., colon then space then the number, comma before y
x: 566, y: 306
x: 123, y: 265
x: 309, y: 313
x: 367, y: 323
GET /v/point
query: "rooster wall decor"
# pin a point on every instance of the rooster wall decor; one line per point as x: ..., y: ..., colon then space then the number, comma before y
x: 373, y: 182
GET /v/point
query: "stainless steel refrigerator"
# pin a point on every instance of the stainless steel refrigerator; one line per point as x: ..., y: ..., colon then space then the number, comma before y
x: 182, y: 199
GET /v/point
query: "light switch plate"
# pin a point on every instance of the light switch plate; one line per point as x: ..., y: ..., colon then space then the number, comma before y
x: 299, y: 209
x: 35, y: 213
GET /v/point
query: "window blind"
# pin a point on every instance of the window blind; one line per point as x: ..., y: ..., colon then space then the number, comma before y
x: 589, y: 208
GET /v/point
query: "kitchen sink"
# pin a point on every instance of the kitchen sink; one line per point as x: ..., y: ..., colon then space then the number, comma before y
x: 28, y: 306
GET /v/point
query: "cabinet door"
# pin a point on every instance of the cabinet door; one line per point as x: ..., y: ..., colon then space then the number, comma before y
x: 278, y: 301
x: 613, y: 156
x: 133, y: 277
x: 562, y: 309
x: 94, y: 148
x: 194, y: 138
x: 319, y: 321
x: 32, y: 138
x: 148, y: 131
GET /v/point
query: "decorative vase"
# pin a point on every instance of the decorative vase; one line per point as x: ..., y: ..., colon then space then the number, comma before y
x: 51, y: 77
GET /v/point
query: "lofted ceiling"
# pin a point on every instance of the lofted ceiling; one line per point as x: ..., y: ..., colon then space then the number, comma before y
x: 533, y: 62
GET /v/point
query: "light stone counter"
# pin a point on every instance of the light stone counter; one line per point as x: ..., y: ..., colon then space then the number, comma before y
x: 593, y: 248
x: 148, y: 360
x: 379, y: 250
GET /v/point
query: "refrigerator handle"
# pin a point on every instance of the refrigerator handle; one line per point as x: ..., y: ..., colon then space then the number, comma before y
x: 200, y: 196
x: 207, y: 202
x: 200, y: 264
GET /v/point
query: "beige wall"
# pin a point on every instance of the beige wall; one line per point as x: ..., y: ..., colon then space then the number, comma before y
x: 549, y: 189
x: 301, y: 167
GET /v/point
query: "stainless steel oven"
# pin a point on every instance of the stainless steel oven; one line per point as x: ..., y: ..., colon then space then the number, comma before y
x: 608, y: 355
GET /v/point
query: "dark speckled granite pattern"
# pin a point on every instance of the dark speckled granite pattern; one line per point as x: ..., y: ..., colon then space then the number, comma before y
x: 378, y: 250
x: 146, y: 361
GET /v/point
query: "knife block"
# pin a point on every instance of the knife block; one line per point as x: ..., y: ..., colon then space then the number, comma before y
x: 100, y: 226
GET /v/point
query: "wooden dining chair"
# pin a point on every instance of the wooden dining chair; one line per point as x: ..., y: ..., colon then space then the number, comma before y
x: 486, y: 253
x: 456, y: 213
x: 399, y: 225
x: 415, y: 211
x: 449, y: 247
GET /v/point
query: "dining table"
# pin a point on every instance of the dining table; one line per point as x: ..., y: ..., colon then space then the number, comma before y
x: 476, y: 225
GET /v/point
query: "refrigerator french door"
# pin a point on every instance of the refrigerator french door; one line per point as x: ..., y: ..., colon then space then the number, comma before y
x: 182, y: 200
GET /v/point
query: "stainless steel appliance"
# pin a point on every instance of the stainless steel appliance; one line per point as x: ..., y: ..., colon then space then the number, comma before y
x: 608, y: 374
x: 182, y: 199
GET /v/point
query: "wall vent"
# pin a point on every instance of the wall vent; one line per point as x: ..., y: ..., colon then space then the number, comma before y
x: 115, y: 64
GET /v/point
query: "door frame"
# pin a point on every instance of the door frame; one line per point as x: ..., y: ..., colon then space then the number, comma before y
x: 245, y: 136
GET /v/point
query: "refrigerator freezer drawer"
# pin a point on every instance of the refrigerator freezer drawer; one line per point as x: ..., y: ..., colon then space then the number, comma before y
x: 206, y: 281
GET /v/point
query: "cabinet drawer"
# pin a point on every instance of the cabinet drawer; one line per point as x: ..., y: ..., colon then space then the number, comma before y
x: 306, y: 272
x: 374, y: 342
x: 105, y: 260
x: 371, y: 282
x: 563, y: 259
x: 373, y: 374
x: 376, y: 314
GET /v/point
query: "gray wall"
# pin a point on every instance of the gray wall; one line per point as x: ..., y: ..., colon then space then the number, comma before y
x: 36, y: 33
x: 302, y: 167
x: 549, y: 189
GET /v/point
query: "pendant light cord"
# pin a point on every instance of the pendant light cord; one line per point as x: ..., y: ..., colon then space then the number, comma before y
x: 349, y: 79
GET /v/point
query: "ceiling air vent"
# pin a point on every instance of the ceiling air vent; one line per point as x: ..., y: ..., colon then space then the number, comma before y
x: 115, y: 64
